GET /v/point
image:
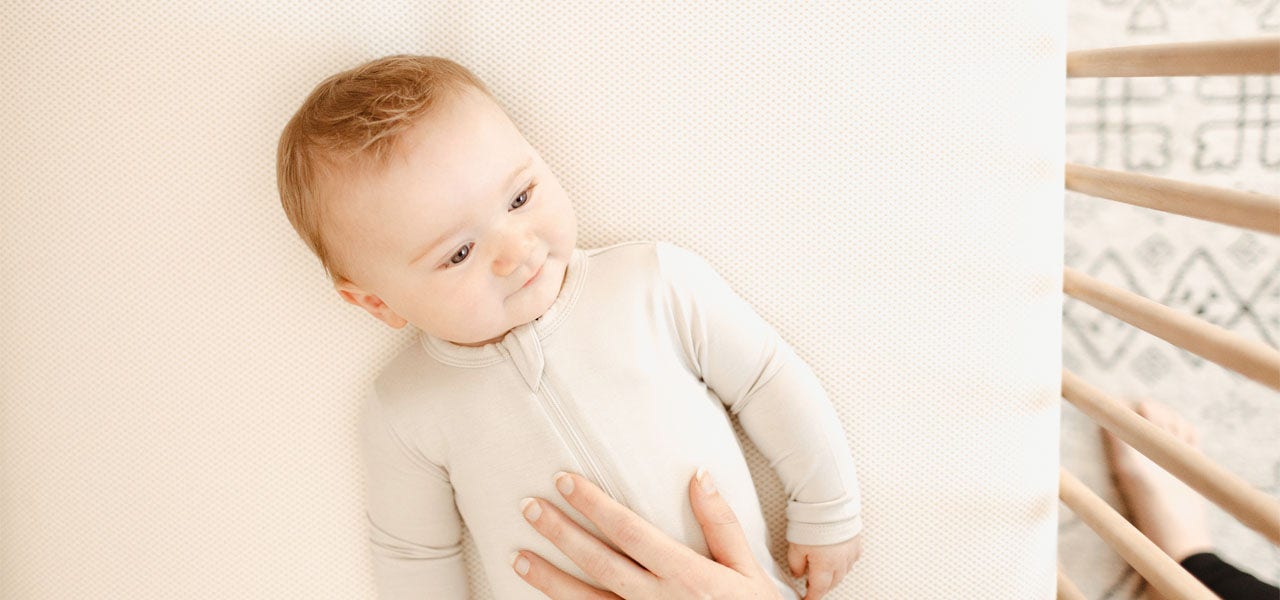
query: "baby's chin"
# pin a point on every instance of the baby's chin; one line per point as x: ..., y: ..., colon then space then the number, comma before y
x: 543, y: 305
x: 498, y: 338
x: 539, y: 302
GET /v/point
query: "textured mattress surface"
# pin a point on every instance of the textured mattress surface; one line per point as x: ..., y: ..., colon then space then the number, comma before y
x: 179, y: 384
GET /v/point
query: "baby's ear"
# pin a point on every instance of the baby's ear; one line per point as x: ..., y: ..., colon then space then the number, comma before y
x: 370, y: 303
x: 355, y: 295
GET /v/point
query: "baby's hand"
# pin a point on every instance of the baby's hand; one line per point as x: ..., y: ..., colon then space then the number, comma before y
x: 826, y: 565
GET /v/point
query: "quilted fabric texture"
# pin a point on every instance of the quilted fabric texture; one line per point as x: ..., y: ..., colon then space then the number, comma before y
x: 881, y: 180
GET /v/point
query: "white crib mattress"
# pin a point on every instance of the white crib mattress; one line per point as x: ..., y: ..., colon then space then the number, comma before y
x: 180, y: 385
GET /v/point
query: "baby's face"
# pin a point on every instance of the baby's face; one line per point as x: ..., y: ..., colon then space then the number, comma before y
x: 449, y: 235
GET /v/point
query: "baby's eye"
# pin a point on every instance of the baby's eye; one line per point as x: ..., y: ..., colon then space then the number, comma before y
x: 463, y: 253
x: 524, y: 195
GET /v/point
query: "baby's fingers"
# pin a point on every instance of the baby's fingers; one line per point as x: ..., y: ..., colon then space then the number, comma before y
x: 819, y: 583
x: 822, y: 580
x: 795, y: 560
x: 855, y: 552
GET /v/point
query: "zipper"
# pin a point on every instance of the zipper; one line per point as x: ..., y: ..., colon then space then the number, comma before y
x: 578, y: 444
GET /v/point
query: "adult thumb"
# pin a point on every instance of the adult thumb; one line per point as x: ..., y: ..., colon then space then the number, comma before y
x: 725, y: 538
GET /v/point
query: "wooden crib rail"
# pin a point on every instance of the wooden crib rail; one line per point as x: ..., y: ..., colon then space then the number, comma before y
x: 1249, y: 505
x: 1152, y: 563
x: 1249, y: 210
x: 1253, y: 359
x: 1216, y: 57
x: 1067, y: 589
x: 1250, y: 358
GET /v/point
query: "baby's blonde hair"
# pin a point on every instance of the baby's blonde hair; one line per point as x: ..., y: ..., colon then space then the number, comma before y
x: 351, y: 125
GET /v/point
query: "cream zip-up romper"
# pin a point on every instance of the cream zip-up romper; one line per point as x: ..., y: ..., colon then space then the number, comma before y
x: 628, y: 379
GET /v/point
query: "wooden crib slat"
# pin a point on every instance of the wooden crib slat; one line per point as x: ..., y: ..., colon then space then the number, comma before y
x: 1249, y: 210
x: 1152, y: 563
x: 1067, y: 589
x: 1250, y: 358
x: 1249, y: 505
x: 1214, y: 57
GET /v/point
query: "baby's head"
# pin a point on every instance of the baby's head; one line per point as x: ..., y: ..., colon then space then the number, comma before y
x: 423, y: 201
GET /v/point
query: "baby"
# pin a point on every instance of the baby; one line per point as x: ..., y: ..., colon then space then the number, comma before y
x: 427, y: 206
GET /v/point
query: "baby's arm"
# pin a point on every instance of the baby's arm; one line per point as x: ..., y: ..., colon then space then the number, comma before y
x: 415, y: 532
x: 776, y: 396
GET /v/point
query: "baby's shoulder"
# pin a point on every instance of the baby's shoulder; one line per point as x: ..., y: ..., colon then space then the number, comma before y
x: 631, y: 250
x: 643, y: 254
x: 410, y: 377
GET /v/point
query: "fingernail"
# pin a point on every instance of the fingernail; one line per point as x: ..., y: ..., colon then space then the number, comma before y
x: 564, y: 482
x: 520, y: 563
x: 704, y: 478
x: 530, y: 509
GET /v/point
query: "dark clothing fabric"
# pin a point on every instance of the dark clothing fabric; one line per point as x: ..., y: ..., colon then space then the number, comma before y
x: 1227, y: 581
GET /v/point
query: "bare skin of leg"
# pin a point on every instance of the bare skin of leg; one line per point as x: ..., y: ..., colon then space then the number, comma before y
x: 1162, y: 507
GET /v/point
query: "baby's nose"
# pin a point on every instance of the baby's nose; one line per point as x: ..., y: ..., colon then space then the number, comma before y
x: 514, y: 252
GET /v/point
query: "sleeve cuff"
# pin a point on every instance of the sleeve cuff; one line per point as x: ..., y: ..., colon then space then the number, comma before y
x: 819, y: 524
x: 822, y: 534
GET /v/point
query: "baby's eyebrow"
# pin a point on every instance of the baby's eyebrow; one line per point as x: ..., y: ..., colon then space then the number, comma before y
x: 433, y: 245
x: 511, y: 182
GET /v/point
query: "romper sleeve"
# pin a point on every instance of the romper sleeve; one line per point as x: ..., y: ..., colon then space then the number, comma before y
x: 777, y: 398
x: 415, y: 531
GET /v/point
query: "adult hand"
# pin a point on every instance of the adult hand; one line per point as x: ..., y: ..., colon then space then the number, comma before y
x: 656, y: 566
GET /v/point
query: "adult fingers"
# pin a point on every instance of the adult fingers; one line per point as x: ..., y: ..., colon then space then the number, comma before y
x: 550, y: 580
x: 646, y: 544
x: 724, y: 535
x: 598, y: 560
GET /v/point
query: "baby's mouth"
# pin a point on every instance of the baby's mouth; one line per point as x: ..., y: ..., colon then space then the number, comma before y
x: 535, y: 276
